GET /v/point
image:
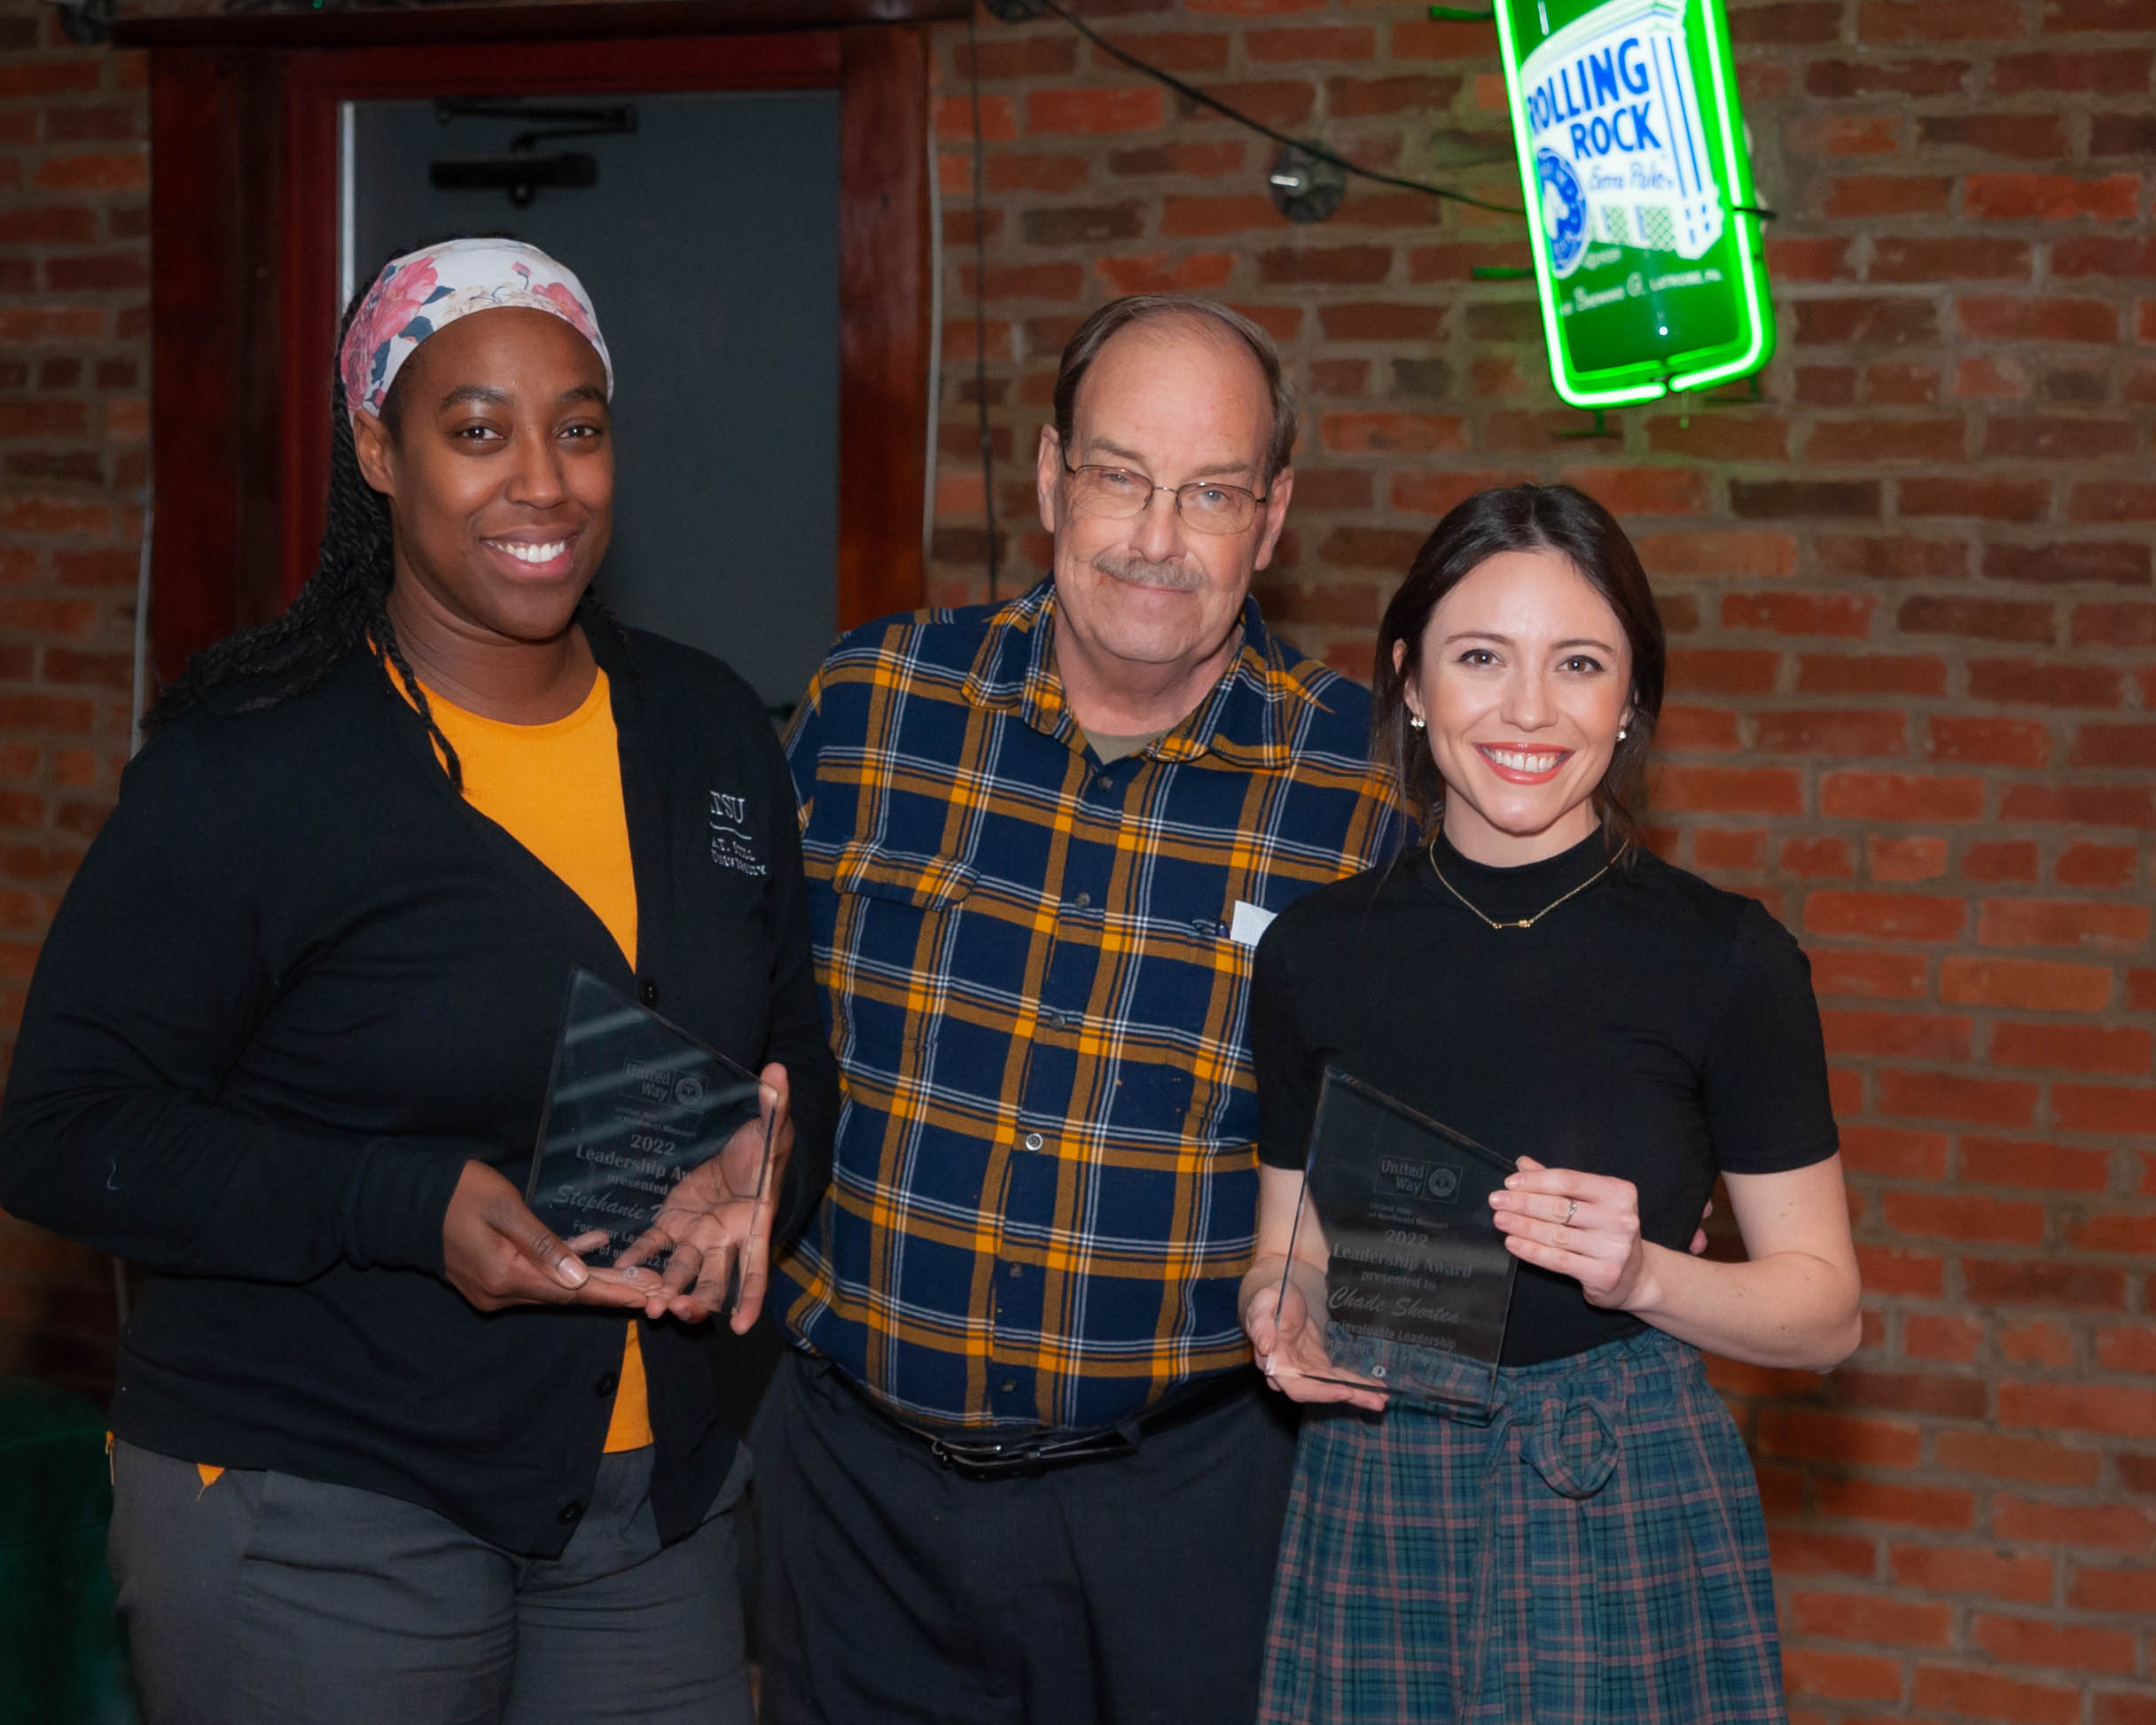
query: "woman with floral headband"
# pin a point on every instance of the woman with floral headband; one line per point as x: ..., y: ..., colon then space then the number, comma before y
x: 386, y: 1447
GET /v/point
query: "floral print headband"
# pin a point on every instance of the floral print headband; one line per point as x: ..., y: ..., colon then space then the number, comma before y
x: 419, y: 293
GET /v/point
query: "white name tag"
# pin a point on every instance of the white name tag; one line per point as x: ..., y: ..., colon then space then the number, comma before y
x: 1249, y: 923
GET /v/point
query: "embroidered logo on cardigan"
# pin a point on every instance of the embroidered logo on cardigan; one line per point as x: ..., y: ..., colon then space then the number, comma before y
x: 732, y: 845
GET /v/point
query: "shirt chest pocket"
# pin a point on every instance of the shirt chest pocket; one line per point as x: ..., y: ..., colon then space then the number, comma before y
x: 894, y: 947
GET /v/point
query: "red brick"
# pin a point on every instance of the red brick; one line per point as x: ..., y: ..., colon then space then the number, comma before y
x: 1062, y: 110
x: 1905, y: 858
x: 2062, y: 923
x: 1270, y: 103
x: 1627, y: 492
x: 2037, y: 1343
x: 2050, y: 197
x: 1831, y: 732
x: 1884, y: 916
x: 1205, y: 218
x: 1389, y: 433
x: 1722, y: 671
x: 1801, y: 1551
x: 1930, y: 21
x: 2049, y: 438
x: 2038, y: 684
x: 1868, y: 197
x: 1322, y: 42
x: 2130, y: 258
x: 2115, y: 1230
x: 1357, y: 98
x: 2000, y: 860
x: 1936, y: 1336
x: 2032, y: 984
x: 1886, y: 440
x: 1728, y: 790
x: 1731, y: 436
x: 2113, y: 500
x: 2098, y: 865
x: 2085, y: 1287
x: 2084, y: 804
x: 2031, y: 137
x: 1991, y: 499
x: 1035, y: 56
x: 1900, y: 797
x: 1416, y: 492
x: 1381, y: 321
x: 1820, y: 1671
x: 2002, y: 317
x: 1743, y: 555
x: 1151, y: 272
x: 1819, y: 258
x: 1987, y: 742
x: 2096, y: 1588
x: 1200, y: 160
x: 1870, y: 674
x: 2114, y: 746
x: 2032, y: 1461
x: 1179, y: 51
x: 2123, y: 562
x: 1868, y: 975
x: 1442, y: 41
x: 1712, y: 849
x: 1806, y: 1434
x: 1955, y: 1097
x: 1847, y: 614
x: 1906, y: 1506
x: 2073, y: 1048
x: 1907, y: 1035
x: 1985, y: 1694
x: 2104, y: 1108
x: 1683, y: 727
x: 1963, y: 1217
x: 1895, y: 1151
x: 1870, y: 1618
x: 2105, y: 1527
x: 2112, y: 72
x: 1959, y: 1569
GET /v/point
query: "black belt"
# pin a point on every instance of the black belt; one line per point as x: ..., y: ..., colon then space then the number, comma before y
x: 1006, y: 1458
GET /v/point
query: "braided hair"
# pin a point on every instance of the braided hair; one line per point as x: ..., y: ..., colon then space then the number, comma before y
x: 343, y: 606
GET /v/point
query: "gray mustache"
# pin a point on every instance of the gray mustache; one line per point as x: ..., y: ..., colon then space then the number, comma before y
x: 1175, y: 574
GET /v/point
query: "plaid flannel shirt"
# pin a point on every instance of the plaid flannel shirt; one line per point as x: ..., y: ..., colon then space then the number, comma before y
x: 1035, y: 972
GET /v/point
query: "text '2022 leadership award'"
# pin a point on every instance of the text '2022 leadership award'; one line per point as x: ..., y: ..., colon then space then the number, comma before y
x: 1418, y: 1282
x: 635, y: 1105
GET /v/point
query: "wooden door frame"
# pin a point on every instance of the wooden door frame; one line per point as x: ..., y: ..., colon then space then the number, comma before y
x: 244, y: 154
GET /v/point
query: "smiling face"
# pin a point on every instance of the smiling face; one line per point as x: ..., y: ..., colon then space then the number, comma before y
x: 499, y: 476
x: 1523, y: 679
x: 1139, y: 596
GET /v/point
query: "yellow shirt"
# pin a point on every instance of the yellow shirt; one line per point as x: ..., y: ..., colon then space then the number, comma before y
x: 556, y: 789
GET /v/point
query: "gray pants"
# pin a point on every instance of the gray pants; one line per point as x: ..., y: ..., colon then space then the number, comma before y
x: 263, y: 1599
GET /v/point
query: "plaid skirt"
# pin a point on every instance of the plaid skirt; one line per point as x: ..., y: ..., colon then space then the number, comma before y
x: 1593, y: 1555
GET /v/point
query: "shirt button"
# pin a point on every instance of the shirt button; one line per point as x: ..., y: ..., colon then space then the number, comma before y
x: 569, y: 1513
x: 647, y: 991
x: 609, y: 1382
x: 1034, y: 1140
x: 1010, y: 1387
x: 1017, y: 1270
x: 1082, y: 901
x: 1052, y: 1018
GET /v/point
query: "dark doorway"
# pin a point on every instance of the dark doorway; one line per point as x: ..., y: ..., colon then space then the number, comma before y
x: 709, y: 242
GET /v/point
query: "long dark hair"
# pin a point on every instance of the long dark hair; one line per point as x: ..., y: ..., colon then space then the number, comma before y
x: 1520, y: 517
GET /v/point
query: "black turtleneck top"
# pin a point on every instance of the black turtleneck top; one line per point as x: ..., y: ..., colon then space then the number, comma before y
x: 1652, y: 1027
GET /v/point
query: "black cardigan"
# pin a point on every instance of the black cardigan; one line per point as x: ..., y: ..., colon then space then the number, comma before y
x: 297, y: 982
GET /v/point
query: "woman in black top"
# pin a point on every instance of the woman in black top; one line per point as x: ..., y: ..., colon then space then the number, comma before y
x: 387, y: 1449
x: 1535, y: 978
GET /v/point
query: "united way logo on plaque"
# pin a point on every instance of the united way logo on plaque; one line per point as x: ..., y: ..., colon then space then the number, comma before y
x: 1417, y: 1281
x: 634, y: 1105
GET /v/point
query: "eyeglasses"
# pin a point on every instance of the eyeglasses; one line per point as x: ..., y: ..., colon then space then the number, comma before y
x: 1119, y: 493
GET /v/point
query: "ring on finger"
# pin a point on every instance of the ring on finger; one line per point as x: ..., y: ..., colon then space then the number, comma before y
x: 1571, y: 1208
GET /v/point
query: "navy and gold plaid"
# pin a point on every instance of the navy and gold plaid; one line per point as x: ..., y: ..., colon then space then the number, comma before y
x: 1046, y: 1182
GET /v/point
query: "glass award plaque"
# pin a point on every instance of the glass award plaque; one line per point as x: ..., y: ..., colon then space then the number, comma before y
x: 1417, y: 1281
x: 634, y: 1105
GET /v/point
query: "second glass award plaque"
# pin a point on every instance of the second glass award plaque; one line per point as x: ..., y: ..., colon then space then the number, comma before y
x: 1419, y: 1283
x: 636, y: 1105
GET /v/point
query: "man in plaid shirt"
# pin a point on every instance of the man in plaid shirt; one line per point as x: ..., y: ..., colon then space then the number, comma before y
x: 1019, y: 1467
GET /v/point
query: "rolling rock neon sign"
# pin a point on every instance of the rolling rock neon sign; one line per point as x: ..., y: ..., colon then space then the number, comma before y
x: 1639, y: 196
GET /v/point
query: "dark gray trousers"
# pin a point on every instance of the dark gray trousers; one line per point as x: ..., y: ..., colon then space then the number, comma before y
x: 263, y: 1599
x: 1131, y: 1591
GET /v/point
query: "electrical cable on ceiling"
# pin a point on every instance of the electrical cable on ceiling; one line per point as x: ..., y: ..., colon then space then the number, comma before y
x: 1192, y: 93
x: 980, y: 309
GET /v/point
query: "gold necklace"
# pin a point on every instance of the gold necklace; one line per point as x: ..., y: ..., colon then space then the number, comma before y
x: 1524, y: 922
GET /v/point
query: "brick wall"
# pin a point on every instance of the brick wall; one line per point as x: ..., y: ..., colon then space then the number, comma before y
x: 73, y: 414
x: 1911, y: 596
x: 1911, y: 688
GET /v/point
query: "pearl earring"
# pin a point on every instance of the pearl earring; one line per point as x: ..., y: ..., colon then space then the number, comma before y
x: 1621, y: 733
x: 1415, y: 721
